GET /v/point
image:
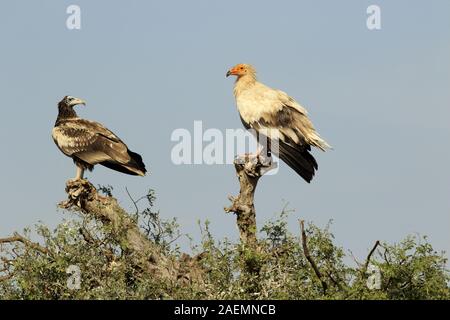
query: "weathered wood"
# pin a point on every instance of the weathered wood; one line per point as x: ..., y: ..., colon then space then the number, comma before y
x: 144, y: 254
x: 249, y: 168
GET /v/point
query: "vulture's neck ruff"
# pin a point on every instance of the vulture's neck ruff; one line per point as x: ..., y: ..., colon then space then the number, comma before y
x: 65, y: 112
x: 244, y: 82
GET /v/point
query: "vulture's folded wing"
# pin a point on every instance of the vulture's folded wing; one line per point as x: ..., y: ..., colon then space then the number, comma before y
x: 296, y: 118
x: 284, y: 121
x: 90, y: 142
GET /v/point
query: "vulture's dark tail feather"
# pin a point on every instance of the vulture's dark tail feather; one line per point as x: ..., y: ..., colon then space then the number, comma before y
x: 136, y: 161
x: 301, y: 161
x: 118, y: 167
x: 135, y: 166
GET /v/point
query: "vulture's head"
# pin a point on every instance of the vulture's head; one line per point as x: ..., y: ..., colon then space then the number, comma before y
x: 241, y: 70
x: 70, y: 101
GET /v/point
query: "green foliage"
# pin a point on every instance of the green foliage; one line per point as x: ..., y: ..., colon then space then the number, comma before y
x: 276, y: 269
x: 162, y: 232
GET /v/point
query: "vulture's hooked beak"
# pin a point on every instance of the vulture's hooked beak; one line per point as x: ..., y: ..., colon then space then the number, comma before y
x: 78, y: 101
x: 232, y: 72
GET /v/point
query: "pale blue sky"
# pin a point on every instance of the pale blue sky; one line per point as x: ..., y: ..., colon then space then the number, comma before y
x: 381, y: 98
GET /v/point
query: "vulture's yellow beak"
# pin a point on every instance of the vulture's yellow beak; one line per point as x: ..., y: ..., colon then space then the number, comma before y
x: 233, y: 71
x: 238, y: 70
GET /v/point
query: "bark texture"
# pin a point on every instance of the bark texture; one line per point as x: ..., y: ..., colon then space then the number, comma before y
x: 144, y: 254
x: 249, y: 168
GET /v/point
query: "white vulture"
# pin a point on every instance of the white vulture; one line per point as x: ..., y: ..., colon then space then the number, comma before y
x: 279, y: 118
x: 89, y: 143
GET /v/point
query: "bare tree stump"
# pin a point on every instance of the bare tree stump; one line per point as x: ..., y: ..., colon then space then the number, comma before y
x: 249, y: 168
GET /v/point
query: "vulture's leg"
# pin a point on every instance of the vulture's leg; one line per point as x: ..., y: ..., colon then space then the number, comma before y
x: 264, y: 152
x: 80, y: 172
x: 259, y: 150
x: 260, y: 147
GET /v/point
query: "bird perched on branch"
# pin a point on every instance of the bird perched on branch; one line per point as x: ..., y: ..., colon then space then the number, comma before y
x: 89, y: 143
x: 279, y: 118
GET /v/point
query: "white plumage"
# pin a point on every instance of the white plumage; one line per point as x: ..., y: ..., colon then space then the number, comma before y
x: 274, y: 114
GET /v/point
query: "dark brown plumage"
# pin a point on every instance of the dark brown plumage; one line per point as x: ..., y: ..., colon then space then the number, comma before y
x: 89, y: 143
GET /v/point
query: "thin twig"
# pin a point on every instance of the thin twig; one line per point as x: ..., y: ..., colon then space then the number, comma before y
x: 134, y: 202
x: 310, y: 259
x: 354, y: 259
x: 7, y: 277
x: 86, y: 235
x: 366, y: 265
x: 335, y: 282
x: 388, y: 262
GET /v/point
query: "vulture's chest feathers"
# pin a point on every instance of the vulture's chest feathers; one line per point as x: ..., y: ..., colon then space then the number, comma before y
x: 257, y: 102
x: 70, y: 137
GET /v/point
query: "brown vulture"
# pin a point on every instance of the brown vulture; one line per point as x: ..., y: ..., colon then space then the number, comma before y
x: 277, y: 117
x: 89, y: 143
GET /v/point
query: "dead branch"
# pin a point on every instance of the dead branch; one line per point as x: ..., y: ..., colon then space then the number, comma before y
x: 310, y: 259
x: 18, y: 238
x: 366, y: 265
x: 6, y: 277
x: 249, y: 169
x: 144, y: 254
x: 86, y: 235
x: 336, y: 282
